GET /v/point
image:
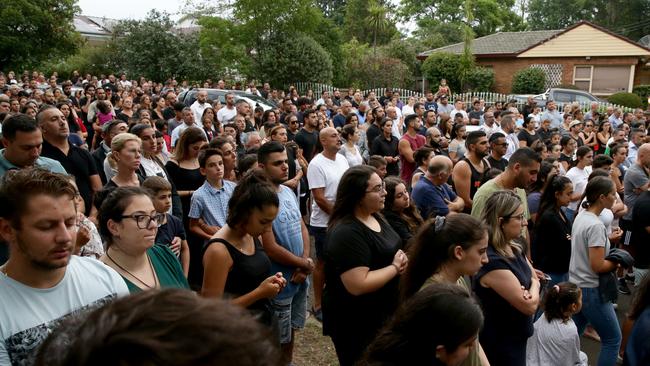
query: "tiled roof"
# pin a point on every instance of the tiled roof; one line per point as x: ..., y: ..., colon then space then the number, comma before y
x: 505, y: 43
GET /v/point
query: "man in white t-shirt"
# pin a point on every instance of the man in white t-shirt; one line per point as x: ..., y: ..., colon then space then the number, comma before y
x: 227, y: 112
x: 188, y: 121
x: 42, y: 282
x: 323, y: 175
x: 200, y: 104
x: 579, y: 175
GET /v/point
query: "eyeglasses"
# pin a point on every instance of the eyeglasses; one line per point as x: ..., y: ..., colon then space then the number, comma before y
x: 521, y: 217
x: 378, y: 188
x: 143, y: 221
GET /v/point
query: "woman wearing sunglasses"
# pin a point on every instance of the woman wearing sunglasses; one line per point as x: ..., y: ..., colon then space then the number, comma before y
x: 129, y: 222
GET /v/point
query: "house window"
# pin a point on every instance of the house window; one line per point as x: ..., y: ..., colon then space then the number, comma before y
x: 604, y: 80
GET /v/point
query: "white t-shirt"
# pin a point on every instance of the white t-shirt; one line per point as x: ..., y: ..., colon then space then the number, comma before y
x: 325, y: 173
x: 407, y: 110
x: 28, y: 315
x: 225, y: 114
x: 176, y: 134
x: 555, y: 343
x: 198, y: 108
x: 579, y: 178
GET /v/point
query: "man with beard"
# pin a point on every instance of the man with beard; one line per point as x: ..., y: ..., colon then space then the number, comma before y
x: 521, y: 172
x: 498, y: 146
x: 437, y: 141
x: 75, y: 160
x: 468, y: 173
x: 42, y: 282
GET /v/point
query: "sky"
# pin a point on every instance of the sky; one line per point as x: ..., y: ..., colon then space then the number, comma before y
x: 127, y: 9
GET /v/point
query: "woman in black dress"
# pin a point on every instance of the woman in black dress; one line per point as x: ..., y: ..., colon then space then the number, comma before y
x: 363, y: 260
x: 399, y: 210
x: 507, y: 285
x: 184, y: 171
x: 235, y: 262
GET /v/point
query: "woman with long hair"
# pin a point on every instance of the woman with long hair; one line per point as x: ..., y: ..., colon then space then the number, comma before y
x: 457, y: 147
x: 437, y: 326
x: 551, y: 244
x: 546, y: 171
x: 349, y: 149
x: 422, y: 157
x: 75, y: 124
x: 507, y: 285
x: 445, y: 250
x: 569, y: 146
x: 399, y: 210
x: 184, y: 170
x: 603, y: 135
x: 128, y: 222
x: 353, y: 119
x: 207, y: 123
x: 589, y: 247
x: 158, y: 107
x: 363, y: 261
x: 235, y: 263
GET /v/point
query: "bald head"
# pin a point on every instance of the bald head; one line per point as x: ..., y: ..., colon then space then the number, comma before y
x: 440, y: 164
x: 643, y: 156
x: 325, y: 132
x: 329, y: 139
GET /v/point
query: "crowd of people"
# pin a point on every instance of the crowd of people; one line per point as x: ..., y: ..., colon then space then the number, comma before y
x: 445, y: 232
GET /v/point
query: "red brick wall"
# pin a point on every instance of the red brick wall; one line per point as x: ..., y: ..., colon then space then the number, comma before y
x: 505, y: 68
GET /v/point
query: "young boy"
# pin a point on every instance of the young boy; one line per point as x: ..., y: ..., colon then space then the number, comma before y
x: 379, y: 163
x: 170, y: 231
x: 209, y: 207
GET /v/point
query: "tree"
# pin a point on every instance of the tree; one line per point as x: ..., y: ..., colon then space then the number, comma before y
x: 333, y: 9
x: 529, y: 81
x: 490, y: 16
x: 32, y: 31
x: 377, y: 21
x: 152, y: 49
x: 286, y: 59
x: 626, y: 17
x: 355, y: 23
x: 443, y: 65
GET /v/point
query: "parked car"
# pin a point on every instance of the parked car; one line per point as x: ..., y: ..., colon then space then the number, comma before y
x: 189, y: 96
x: 560, y: 96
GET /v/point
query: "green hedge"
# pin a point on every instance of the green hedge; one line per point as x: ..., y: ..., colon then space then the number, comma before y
x: 643, y: 91
x: 529, y: 81
x: 480, y: 79
x: 629, y: 100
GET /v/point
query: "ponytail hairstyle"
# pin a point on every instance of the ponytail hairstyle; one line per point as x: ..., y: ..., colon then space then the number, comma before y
x: 548, y: 201
x: 434, y: 245
x: 440, y: 315
x: 558, y: 299
x: 254, y: 191
x: 597, y: 187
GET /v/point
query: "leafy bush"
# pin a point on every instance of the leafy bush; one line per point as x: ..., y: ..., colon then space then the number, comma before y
x: 480, y: 79
x: 529, y: 81
x: 629, y: 100
x: 285, y: 59
x: 443, y: 65
x: 643, y: 91
x: 382, y: 72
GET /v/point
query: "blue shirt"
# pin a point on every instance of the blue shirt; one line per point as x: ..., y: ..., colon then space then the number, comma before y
x: 554, y: 116
x: 42, y: 162
x: 339, y: 120
x: 287, y: 228
x: 430, y: 198
x: 211, y: 204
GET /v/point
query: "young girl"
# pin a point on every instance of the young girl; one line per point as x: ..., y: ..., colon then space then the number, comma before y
x: 556, y: 340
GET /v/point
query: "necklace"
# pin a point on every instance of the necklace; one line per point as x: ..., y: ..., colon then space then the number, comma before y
x: 155, y: 278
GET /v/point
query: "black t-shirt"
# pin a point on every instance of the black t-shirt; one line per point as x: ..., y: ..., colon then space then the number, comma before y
x: 372, y: 133
x: 551, y: 247
x: 308, y: 142
x: 498, y: 164
x: 79, y: 163
x: 351, y: 244
x: 640, y: 237
x: 524, y: 135
x: 167, y: 231
x: 475, y: 115
x: 383, y: 147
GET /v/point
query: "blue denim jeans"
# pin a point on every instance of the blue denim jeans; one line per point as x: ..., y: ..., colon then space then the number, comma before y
x: 603, y: 318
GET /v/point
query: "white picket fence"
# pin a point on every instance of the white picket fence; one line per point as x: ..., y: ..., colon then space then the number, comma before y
x: 490, y: 98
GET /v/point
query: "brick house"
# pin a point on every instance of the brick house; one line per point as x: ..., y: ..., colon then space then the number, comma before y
x: 586, y: 55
